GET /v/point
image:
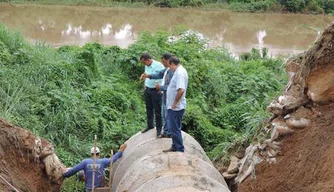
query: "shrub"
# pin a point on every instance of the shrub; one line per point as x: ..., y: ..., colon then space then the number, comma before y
x: 293, y: 5
x: 327, y: 5
x: 314, y: 8
x: 255, y: 6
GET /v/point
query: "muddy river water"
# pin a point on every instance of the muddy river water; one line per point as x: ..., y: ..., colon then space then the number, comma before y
x: 60, y: 25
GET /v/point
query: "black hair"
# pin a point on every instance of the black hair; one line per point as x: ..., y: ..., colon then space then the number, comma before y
x: 166, y: 56
x: 145, y: 56
x: 174, y: 60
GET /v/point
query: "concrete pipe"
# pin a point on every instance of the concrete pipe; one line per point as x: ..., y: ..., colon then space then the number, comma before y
x: 145, y: 168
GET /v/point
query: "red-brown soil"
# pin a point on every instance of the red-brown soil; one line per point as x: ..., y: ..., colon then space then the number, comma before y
x: 19, y: 165
x: 307, y: 161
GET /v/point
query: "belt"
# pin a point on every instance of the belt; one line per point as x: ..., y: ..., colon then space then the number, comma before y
x: 150, y: 88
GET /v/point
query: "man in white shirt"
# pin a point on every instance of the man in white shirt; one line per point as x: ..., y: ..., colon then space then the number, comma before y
x: 176, y: 103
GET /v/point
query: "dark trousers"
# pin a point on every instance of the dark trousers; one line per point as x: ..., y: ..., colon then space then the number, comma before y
x: 153, y: 108
x: 175, y: 125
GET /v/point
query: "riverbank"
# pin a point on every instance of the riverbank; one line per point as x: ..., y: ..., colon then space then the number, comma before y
x: 276, y: 6
x: 77, y: 3
x: 208, y: 6
x: 60, y: 25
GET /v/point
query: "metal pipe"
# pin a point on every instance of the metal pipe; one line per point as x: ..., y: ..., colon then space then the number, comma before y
x: 145, y: 168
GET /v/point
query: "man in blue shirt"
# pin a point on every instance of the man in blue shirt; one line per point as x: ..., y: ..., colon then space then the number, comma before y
x: 152, y: 96
x: 166, y: 75
x: 176, y: 103
x: 87, y: 166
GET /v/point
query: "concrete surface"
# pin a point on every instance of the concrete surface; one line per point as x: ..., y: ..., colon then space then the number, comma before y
x: 145, y: 168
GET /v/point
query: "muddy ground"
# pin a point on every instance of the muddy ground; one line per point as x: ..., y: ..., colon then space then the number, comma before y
x: 306, y: 163
x: 21, y: 166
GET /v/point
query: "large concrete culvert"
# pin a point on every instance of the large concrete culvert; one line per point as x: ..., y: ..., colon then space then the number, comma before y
x: 145, y: 168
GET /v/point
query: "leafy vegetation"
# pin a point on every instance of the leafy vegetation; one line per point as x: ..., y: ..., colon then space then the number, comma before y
x: 292, y: 6
x: 69, y: 94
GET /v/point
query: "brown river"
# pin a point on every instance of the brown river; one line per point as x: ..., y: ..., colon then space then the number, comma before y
x: 66, y: 25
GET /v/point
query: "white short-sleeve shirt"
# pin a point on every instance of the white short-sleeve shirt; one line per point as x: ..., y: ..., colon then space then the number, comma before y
x: 179, y: 81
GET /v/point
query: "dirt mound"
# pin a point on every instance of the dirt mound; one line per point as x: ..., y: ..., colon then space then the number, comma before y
x: 24, y: 161
x: 306, y: 163
x: 300, y: 152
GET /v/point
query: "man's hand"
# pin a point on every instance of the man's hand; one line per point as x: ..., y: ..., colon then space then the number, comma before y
x: 82, y: 176
x: 143, y: 76
x: 64, y: 169
x: 123, y: 147
x: 177, y: 98
x: 174, y: 105
x: 157, y: 86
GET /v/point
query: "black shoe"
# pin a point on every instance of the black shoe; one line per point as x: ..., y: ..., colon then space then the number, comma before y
x: 146, y: 129
x: 163, y: 136
x: 169, y: 150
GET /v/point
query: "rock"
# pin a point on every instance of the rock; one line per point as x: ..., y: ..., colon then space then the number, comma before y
x: 227, y: 175
x: 272, y: 144
x: 272, y: 153
x: 47, y: 150
x: 287, y: 103
x: 247, y: 163
x: 272, y: 160
x: 233, y: 167
x: 287, y: 116
x: 53, y: 168
x: 264, y: 153
x: 280, y: 130
x: 301, y: 123
x: 320, y: 84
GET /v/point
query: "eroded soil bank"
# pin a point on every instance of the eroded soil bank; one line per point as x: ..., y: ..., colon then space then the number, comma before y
x: 299, y: 154
x: 306, y: 160
x: 26, y: 161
